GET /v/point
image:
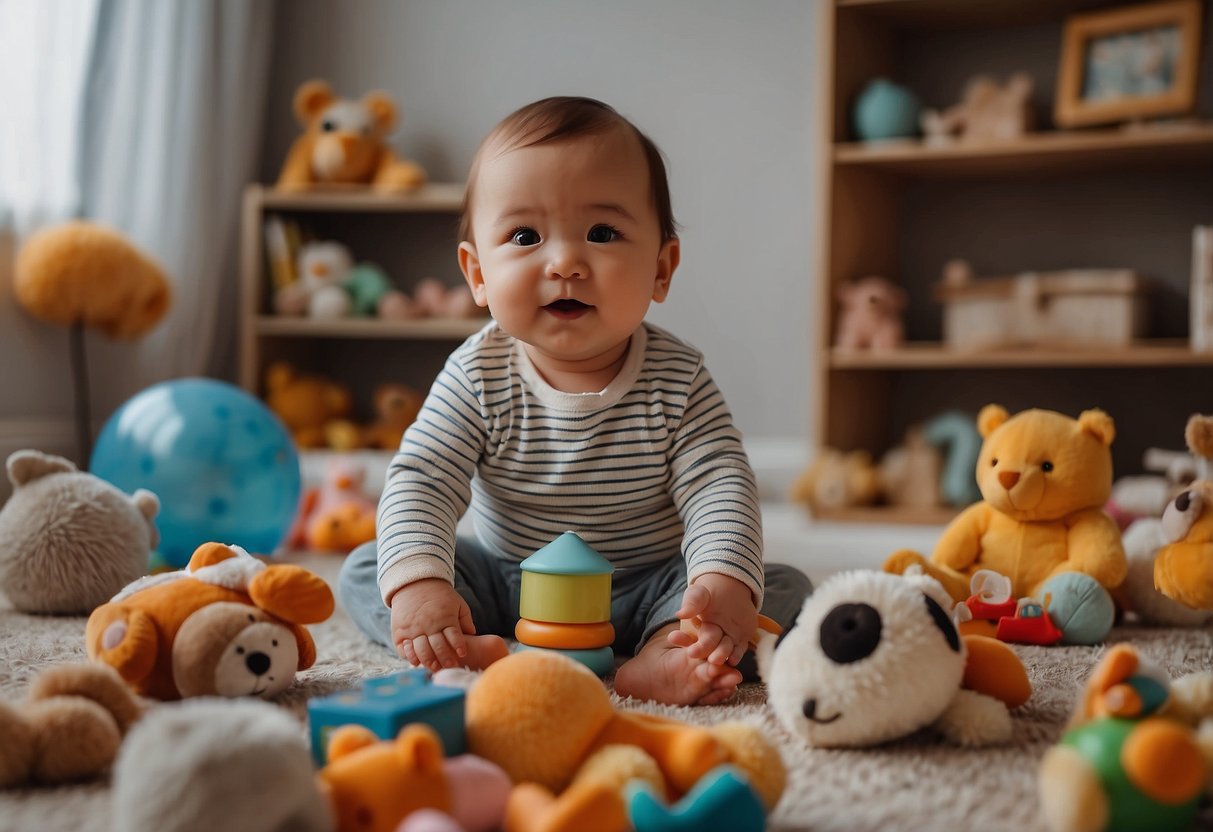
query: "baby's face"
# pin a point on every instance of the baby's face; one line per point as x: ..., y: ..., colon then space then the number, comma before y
x: 567, y: 251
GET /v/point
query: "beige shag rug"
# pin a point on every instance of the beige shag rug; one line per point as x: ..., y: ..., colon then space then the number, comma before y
x: 916, y: 784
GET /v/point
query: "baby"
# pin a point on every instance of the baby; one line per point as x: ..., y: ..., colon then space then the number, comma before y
x: 569, y: 412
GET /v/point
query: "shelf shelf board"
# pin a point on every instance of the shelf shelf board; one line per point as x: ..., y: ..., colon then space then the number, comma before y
x: 905, y: 515
x: 433, y: 197
x: 420, y: 329
x: 1042, y: 152
x: 934, y: 356
x: 955, y: 14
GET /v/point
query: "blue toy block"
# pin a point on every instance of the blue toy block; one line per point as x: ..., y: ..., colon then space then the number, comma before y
x: 721, y: 800
x: 386, y: 705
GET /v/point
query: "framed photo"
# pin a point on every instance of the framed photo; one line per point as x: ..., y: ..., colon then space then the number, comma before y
x: 1129, y: 62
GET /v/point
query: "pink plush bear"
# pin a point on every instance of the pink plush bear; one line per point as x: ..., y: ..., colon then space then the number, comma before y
x: 870, y: 314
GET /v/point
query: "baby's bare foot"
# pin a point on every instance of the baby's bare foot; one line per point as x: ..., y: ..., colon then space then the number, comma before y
x: 484, y: 650
x: 665, y: 673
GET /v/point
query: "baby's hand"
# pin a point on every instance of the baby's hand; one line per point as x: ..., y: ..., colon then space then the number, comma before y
x: 728, y: 619
x: 429, y: 619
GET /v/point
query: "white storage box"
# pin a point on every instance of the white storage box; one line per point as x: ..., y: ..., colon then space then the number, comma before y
x: 1076, y: 308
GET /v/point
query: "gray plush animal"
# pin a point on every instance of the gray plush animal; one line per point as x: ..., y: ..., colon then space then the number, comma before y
x: 68, y: 540
x: 235, y: 765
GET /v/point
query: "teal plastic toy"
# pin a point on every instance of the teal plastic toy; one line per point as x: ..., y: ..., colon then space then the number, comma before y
x: 386, y: 705
x: 1081, y: 608
x: 367, y: 284
x: 885, y: 110
x: 955, y: 434
x: 721, y: 800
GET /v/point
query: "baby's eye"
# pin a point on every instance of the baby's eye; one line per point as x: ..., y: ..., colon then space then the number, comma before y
x: 524, y: 237
x: 602, y: 234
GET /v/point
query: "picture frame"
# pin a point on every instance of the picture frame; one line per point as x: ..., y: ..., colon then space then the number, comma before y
x: 1129, y: 63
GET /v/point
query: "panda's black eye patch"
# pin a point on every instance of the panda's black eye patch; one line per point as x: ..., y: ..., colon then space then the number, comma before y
x: 943, y: 622
x: 850, y: 632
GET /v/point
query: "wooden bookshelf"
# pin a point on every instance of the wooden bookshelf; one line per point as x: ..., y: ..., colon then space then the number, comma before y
x: 1109, y: 197
x: 409, y: 235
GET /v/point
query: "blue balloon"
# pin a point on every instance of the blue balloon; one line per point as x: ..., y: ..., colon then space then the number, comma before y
x: 223, y: 465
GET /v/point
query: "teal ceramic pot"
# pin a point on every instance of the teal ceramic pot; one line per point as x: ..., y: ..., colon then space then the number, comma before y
x: 885, y: 110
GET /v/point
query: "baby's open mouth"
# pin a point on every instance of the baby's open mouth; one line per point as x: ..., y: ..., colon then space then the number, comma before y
x: 568, y: 308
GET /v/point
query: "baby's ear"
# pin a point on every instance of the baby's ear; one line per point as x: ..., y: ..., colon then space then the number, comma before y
x: 1098, y: 424
x: 990, y: 418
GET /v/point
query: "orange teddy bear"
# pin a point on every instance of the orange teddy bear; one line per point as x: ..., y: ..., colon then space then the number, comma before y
x: 345, y: 142
x: 227, y: 625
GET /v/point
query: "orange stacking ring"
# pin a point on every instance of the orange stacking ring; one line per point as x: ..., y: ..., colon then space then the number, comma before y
x: 564, y: 636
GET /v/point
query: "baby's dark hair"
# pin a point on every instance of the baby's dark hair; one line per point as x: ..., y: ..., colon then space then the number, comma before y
x: 565, y: 117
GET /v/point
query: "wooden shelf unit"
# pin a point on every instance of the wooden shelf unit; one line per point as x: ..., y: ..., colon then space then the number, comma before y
x: 410, y: 235
x: 1105, y: 197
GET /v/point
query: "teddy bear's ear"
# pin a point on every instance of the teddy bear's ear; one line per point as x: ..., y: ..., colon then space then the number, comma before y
x: 147, y: 503
x: 347, y: 739
x: 310, y: 100
x: 1199, y: 435
x: 278, y: 376
x: 27, y: 466
x: 382, y: 109
x: 990, y: 418
x: 1098, y: 424
x: 420, y: 747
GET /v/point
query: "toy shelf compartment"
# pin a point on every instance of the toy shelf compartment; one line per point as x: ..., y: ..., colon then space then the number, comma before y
x: 411, y: 235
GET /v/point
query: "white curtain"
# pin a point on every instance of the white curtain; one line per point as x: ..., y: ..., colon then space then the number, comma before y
x: 44, y: 55
x: 172, y: 130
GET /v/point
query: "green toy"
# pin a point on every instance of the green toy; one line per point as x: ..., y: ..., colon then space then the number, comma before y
x: 955, y: 434
x: 367, y: 285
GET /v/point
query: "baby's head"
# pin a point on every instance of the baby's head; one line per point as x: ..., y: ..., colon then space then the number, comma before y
x: 567, y: 233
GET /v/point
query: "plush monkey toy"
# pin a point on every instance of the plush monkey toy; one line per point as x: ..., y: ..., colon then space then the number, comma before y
x: 344, y: 143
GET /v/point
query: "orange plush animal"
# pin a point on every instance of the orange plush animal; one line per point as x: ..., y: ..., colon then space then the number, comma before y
x: 344, y: 142
x: 228, y: 625
x: 311, y: 406
x: 397, y: 406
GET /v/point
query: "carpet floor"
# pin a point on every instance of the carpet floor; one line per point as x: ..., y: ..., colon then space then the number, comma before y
x: 919, y: 783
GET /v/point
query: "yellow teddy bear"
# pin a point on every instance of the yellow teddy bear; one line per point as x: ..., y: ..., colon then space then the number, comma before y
x: 1044, y: 477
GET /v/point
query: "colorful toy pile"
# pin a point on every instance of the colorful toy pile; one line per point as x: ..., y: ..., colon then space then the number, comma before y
x: 565, y: 605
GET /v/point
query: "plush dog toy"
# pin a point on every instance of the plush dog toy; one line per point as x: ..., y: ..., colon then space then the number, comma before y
x: 345, y: 142
x: 69, y: 728
x: 1044, y: 478
x: 228, y: 625
x: 873, y: 657
x: 69, y: 540
x: 549, y: 723
x: 1183, y: 570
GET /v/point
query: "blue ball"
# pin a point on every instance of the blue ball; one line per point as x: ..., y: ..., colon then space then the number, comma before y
x: 224, y: 467
x: 885, y: 110
x: 1081, y: 608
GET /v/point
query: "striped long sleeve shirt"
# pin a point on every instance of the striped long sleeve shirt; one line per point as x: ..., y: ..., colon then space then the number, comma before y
x: 648, y: 469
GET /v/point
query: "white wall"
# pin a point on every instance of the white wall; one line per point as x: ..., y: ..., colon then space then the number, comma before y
x: 725, y: 87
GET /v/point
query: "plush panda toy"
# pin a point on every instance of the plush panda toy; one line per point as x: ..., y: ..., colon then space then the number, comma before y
x: 874, y: 656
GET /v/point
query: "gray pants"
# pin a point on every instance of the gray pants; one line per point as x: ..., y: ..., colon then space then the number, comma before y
x: 642, y: 600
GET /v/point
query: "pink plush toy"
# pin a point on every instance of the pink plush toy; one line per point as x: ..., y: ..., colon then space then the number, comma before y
x: 869, y: 314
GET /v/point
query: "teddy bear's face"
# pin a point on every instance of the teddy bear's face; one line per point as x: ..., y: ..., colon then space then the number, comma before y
x: 1041, y: 465
x: 871, y: 657
x: 233, y: 649
x: 873, y: 296
x: 1183, y: 569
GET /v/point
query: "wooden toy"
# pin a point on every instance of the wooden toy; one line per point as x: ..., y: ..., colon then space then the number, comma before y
x: 565, y: 603
x: 987, y: 112
x: 385, y: 705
